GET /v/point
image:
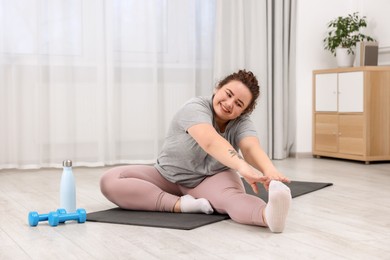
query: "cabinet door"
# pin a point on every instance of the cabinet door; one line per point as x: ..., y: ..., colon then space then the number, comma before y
x: 326, y: 133
x: 326, y: 92
x: 351, y: 91
x: 351, y: 139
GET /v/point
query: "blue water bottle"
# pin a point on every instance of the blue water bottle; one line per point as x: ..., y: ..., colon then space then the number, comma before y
x: 67, y: 189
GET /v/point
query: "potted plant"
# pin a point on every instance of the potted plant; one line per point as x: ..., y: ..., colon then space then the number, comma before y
x: 343, y: 34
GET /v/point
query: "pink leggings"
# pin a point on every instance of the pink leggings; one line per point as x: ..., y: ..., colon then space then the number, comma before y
x: 142, y: 187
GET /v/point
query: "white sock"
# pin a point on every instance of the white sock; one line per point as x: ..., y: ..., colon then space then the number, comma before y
x: 279, y: 200
x: 189, y: 204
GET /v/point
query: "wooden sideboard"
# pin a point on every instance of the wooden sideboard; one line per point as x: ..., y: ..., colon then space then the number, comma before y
x: 351, y: 113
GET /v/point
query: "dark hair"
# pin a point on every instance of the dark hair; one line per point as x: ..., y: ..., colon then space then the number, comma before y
x: 250, y: 81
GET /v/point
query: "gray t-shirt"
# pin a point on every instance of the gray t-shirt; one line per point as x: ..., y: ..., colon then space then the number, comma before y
x: 182, y: 160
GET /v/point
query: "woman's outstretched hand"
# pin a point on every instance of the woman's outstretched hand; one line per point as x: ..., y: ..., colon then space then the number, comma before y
x: 261, y: 179
x: 274, y: 174
x: 252, y: 178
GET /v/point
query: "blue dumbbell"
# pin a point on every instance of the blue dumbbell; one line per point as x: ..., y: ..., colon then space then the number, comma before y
x: 80, y: 215
x: 34, y: 218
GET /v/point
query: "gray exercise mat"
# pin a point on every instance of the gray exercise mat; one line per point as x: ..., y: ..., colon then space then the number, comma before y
x: 187, y: 221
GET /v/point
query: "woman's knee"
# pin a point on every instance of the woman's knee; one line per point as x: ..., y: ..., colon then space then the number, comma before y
x: 107, y: 180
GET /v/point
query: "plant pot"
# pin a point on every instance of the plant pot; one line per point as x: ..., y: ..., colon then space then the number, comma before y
x: 343, y: 58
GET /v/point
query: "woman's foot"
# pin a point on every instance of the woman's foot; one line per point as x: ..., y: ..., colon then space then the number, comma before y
x: 279, y: 200
x: 189, y: 204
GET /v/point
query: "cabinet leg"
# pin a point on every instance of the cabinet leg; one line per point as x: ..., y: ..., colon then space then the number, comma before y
x: 367, y: 162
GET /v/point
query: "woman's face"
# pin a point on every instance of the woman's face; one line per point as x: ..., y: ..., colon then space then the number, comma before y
x: 231, y: 100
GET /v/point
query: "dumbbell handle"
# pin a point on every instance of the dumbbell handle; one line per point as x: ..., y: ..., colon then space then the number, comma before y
x: 55, y: 218
x: 43, y: 217
x: 69, y: 216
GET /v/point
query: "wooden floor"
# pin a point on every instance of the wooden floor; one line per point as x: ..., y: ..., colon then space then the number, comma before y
x: 349, y: 220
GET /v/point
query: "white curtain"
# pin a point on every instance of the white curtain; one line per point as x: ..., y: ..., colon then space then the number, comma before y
x: 241, y: 43
x: 98, y: 81
x: 258, y: 36
x: 281, y: 76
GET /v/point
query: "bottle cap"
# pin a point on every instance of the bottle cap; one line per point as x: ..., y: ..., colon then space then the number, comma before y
x: 67, y: 163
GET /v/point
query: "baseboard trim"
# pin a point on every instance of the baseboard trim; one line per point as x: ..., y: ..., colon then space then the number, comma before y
x: 301, y: 155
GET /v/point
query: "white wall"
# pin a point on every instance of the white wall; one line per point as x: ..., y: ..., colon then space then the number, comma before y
x: 312, y: 19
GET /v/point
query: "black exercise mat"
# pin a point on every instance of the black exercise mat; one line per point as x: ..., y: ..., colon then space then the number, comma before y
x: 187, y: 221
x: 184, y: 221
x: 297, y: 188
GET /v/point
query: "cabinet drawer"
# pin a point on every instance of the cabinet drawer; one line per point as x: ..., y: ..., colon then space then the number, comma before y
x: 326, y: 132
x: 351, y: 134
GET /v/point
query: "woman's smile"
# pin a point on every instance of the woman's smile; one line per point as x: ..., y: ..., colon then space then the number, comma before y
x: 225, y: 109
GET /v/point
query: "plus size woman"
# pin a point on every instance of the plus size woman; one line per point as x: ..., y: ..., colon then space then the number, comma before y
x: 199, y: 167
